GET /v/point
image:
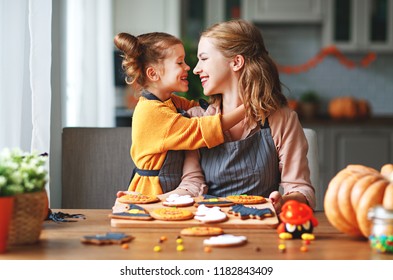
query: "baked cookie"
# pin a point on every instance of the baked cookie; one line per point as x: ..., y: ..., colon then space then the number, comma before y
x: 178, y: 200
x: 138, y: 198
x: 212, y: 201
x: 132, y: 212
x: 202, y: 231
x: 246, y: 199
x: 245, y: 212
x: 108, y: 238
x: 120, y: 207
x: 210, y: 214
x: 225, y: 240
x: 171, y: 214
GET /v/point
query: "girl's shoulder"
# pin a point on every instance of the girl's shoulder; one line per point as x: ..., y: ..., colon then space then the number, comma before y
x: 182, y: 102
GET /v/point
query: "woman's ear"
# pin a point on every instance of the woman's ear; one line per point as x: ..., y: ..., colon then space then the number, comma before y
x: 237, y: 62
x: 152, y: 74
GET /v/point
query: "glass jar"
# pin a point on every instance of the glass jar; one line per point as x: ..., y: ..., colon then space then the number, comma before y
x: 381, y: 237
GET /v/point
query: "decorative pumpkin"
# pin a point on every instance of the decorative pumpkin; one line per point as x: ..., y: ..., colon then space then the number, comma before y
x: 293, y: 104
x: 348, y: 107
x: 364, y: 109
x: 352, y: 192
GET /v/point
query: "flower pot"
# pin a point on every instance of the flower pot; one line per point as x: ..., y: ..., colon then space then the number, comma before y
x: 29, y: 213
x: 309, y: 110
x: 6, y: 209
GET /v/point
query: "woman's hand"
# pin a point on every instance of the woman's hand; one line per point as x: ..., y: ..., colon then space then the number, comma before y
x: 277, y: 201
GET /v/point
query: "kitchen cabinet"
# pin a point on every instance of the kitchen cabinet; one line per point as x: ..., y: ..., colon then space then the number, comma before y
x: 340, y: 144
x: 361, y: 25
x: 282, y: 11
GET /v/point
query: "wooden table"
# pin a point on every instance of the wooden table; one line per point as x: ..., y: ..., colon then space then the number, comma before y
x: 61, y: 241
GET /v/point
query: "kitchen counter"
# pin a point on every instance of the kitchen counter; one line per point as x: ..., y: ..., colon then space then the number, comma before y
x: 327, y: 121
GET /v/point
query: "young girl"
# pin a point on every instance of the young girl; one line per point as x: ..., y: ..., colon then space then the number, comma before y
x: 268, y: 148
x: 154, y: 62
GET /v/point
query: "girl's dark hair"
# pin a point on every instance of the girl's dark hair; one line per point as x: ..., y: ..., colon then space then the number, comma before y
x: 141, y: 51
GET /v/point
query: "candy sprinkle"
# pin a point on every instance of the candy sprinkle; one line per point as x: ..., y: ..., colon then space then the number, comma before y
x: 282, y: 248
x: 303, y: 248
x: 163, y: 238
x: 157, y: 248
x: 207, y: 249
x: 179, y: 241
x: 124, y: 245
x: 306, y: 242
x: 180, y: 248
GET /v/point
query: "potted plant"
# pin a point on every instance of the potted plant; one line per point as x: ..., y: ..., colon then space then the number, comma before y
x: 309, y: 104
x: 23, y: 177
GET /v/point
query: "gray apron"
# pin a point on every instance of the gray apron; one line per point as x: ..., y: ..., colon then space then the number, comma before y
x: 248, y: 166
x: 171, y: 170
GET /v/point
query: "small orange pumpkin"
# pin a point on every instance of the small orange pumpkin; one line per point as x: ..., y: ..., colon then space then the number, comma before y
x: 348, y: 107
x: 352, y: 192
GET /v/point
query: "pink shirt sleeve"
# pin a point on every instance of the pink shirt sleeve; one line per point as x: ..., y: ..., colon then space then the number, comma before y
x: 193, y: 180
x: 292, y: 147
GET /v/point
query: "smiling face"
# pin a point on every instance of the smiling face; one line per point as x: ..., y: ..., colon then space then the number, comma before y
x: 213, y: 68
x: 173, y: 71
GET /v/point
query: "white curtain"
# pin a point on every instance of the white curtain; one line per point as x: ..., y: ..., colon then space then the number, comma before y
x: 25, y: 72
x: 90, y: 90
x: 25, y: 62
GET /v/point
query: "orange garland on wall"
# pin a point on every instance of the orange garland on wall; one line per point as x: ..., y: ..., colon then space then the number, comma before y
x: 330, y: 50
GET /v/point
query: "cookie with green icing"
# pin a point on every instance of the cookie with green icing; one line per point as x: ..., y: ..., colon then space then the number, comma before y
x: 212, y: 201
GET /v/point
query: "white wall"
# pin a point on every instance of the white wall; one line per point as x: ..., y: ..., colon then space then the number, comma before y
x: 137, y: 17
x: 132, y: 16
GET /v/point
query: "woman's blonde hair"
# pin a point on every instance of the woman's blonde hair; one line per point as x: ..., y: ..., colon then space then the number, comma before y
x: 259, y: 82
x: 141, y: 51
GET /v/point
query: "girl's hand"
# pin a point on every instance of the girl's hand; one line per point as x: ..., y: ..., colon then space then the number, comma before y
x: 121, y: 193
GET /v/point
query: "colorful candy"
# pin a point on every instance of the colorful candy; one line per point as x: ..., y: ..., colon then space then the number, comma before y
x: 157, y: 248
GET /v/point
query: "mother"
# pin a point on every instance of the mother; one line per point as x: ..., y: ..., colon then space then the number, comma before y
x: 268, y: 149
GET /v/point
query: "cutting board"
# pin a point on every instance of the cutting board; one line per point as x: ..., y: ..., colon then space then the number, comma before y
x: 232, y: 222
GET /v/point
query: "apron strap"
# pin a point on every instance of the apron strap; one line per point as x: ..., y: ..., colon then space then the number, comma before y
x: 146, y: 172
x: 143, y: 172
x: 266, y: 124
x: 151, y: 96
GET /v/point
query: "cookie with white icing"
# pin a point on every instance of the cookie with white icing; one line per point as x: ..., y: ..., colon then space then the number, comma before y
x: 210, y: 214
x: 225, y: 240
x: 178, y: 200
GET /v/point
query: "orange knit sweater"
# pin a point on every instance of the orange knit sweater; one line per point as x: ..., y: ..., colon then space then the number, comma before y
x: 157, y: 128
